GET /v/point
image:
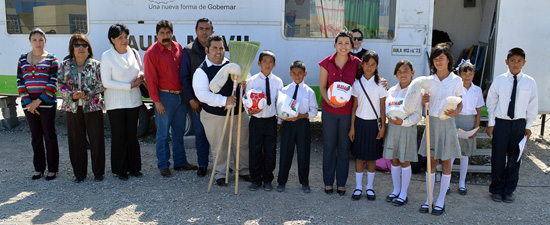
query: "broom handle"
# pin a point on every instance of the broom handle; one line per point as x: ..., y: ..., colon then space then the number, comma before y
x: 429, y: 161
x: 238, y: 147
x: 218, y: 153
x: 230, y: 131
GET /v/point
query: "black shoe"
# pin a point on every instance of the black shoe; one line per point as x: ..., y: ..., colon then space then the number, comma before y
x: 371, y: 197
x: 305, y: 188
x: 341, y: 192
x: 51, y: 177
x: 424, y: 208
x: 438, y: 210
x: 187, y: 166
x: 391, y: 197
x: 36, y: 177
x: 329, y: 191
x: 123, y: 177
x: 356, y: 197
x: 98, y: 178
x: 201, y: 172
x: 281, y: 188
x: 497, y: 197
x: 509, y: 198
x: 400, y: 201
x: 462, y: 191
x: 221, y: 182
x: 136, y: 174
x: 268, y: 187
x: 255, y: 186
x: 78, y: 180
x: 246, y: 178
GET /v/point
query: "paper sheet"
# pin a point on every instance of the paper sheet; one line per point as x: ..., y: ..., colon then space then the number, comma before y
x: 522, y: 146
x: 466, y: 134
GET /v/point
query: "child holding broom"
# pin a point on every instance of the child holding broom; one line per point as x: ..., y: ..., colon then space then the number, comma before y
x: 263, y: 124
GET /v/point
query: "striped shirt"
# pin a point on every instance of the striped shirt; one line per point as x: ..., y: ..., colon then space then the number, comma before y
x: 37, y: 81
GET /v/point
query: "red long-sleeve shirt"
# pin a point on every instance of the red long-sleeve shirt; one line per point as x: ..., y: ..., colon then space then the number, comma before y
x: 162, y: 69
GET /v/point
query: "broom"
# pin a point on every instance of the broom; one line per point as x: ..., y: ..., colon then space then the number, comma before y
x: 428, y: 155
x: 243, y: 54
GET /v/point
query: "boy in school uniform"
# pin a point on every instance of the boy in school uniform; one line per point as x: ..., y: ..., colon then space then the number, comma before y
x: 512, y: 103
x: 263, y: 124
x: 296, y: 131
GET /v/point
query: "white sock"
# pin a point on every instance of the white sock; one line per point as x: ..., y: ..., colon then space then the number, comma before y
x: 405, y: 180
x: 463, y: 171
x: 358, y: 181
x: 452, y: 163
x: 370, y: 179
x: 396, y: 178
x: 445, y: 182
x: 433, y: 183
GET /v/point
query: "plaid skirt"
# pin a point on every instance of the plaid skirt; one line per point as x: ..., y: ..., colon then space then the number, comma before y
x: 466, y: 123
x: 365, y: 146
x: 443, y: 139
x: 400, y: 143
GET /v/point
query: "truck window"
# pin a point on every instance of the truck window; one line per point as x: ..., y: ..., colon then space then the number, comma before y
x: 53, y: 17
x: 325, y: 18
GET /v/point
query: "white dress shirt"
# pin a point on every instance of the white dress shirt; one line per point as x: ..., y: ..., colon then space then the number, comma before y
x: 201, y: 86
x: 306, y: 98
x: 440, y: 90
x: 399, y: 94
x: 375, y: 92
x: 275, y: 85
x: 527, y: 102
x: 471, y: 100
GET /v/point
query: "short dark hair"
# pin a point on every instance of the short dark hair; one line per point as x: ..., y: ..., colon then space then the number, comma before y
x: 212, y: 38
x: 358, y: 31
x: 204, y: 20
x: 116, y: 30
x: 401, y: 63
x: 370, y: 54
x: 344, y: 34
x: 165, y: 24
x: 79, y: 37
x: 266, y: 53
x: 466, y: 66
x: 441, y: 48
x: 37, y: 31
x: 298, y: 64
x: 516, y: 51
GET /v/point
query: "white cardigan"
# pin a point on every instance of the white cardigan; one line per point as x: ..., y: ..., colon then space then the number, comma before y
x: 117, y: 75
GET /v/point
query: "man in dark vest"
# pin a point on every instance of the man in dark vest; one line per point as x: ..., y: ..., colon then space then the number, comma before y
x: 214, y: 110
x: 191, y: 58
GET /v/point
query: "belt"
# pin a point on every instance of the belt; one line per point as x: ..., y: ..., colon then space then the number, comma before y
x: 171, y: 92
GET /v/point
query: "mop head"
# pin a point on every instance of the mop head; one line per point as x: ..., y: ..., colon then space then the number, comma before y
x: 449, y: 103
x: 221, y: 77
x: 243, y: 53
x: 414, y: 94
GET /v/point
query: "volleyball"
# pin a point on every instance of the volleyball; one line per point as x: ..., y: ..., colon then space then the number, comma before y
x: 339, y: 93
x: 255, y: 99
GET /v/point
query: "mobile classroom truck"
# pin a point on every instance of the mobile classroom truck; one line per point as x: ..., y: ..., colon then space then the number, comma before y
x: 293, y: 29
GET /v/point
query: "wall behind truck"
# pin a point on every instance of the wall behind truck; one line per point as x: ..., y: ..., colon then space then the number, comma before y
x: 520, y: 24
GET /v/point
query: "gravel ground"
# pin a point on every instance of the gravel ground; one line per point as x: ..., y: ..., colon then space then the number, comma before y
x: 182, y: 199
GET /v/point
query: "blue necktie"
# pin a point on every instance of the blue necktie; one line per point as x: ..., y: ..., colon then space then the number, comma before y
x: 512, y: 104
x: 267, y: 93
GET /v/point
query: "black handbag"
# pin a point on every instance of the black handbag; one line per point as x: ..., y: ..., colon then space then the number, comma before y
x: 142, y: 87
x: 378, y: 119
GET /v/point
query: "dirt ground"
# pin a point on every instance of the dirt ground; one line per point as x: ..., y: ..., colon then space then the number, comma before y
x: 182, y: 199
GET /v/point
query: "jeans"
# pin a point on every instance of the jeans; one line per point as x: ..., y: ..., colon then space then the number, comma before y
x: 201, y: 142
x: 173, y: 120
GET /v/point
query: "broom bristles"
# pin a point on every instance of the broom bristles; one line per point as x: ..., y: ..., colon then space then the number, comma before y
x: 243, y: 53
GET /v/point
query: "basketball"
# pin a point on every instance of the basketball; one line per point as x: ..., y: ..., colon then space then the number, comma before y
x: 339, y: 93
x: 255, y: 99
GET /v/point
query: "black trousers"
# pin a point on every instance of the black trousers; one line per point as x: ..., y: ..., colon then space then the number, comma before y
x: 297, y: 133
x: 506, y: 137
x: 125, y: 150
x: 262, y: 144
x: 78, y: 125
x: 43, y: 130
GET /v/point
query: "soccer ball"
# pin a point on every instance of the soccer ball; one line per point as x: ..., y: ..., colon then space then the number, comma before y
x: 255, y: 99
x: 339, y: 93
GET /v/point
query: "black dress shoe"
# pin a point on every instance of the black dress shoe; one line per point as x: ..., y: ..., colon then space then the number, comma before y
x: 356, y: 197
x: 136, y: 174
x: 255, y: 186
x: 438, y: 210
x: 497, y: 197
x: 400, y: 201
x: 51, y: 177
x: 509, y: 198
x: 391, y: 197
x: 371, y: 197
x: 246, y: 178
x: 341, y: 192
x: 462, y: 191
x: 424, y: 208
x: 36, y: 177
x: 98, y: 178
x: 123, y: 177
x: 329, y: 191
x: 221, y: 182
x: 201, y: 172
x: 78, y: 180
x: 187, y: 166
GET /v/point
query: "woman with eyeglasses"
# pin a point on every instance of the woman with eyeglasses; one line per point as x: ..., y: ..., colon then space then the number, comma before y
x: 36, y: 84
x: 80, y: 86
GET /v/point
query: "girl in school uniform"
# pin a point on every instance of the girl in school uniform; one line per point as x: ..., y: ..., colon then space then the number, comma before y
x: 400, y: 144
x: 369, y: 100
x: 468, y: 119
x: 443, y: 136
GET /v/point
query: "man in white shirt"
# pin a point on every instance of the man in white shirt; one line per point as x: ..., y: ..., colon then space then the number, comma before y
x: 214, y: 110
x: 512, y: 103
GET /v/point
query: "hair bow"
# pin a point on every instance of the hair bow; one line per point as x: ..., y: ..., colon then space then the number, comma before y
x: 461, y: 62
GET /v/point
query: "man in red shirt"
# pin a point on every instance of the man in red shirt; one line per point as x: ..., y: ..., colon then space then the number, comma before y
x: 162, y: 66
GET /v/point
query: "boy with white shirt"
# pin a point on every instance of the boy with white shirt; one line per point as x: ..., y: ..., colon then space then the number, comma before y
x: 296, y: 131
x: 263, y: 124
x: 512, y: 103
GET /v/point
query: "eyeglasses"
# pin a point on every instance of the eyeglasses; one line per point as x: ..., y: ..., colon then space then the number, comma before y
x: 358, y: 38
x: 84, y: 45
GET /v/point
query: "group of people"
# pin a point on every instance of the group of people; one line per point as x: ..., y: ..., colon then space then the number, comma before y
x: 178, y: 81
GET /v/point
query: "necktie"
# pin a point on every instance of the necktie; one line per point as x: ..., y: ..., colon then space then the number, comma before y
x: 295, y: 92
x: 267, y: 93
x: 512, y: 104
